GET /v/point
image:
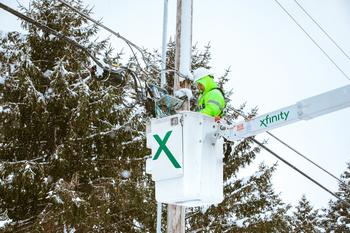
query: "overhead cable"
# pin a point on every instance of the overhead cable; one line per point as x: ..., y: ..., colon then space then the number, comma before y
x: 309, y: 160
x: 301, y: 172
x: 128, y: 42
x: 106, y: 71
x: 313, y: 40
x: 51, y: 31
x: 323, y: 30
x: 100, y: 25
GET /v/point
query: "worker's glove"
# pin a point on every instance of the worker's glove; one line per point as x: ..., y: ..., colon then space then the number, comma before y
x: 184, y: 93
x: 217, y: 119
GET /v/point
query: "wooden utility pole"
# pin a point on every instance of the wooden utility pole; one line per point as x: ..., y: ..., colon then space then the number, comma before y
x: 176, y: 214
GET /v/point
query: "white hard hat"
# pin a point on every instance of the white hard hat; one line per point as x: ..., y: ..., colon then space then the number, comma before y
x: 200, y: 73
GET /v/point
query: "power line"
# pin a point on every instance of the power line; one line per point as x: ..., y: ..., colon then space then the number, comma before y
x: 128, y: 42
x: 323, y: 30
x: 71, y: 41
x: 299, y: 171
x: 51, y: 31
x: 312, y: 39
x: 76, y: 44
x: 309, y: 160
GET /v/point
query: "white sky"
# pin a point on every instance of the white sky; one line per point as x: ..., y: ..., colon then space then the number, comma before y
x: 273, y: 65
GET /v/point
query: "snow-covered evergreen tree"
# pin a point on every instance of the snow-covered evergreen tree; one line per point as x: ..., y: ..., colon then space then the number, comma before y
x: 337, y: 217
x: 305, y: 219
x: 72, y: 153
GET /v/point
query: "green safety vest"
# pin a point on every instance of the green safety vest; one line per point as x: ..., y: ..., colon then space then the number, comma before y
x: 211, y: 102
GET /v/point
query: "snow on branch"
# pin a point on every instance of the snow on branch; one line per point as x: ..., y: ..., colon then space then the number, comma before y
x: 114, y: 129
x: 38, y: 94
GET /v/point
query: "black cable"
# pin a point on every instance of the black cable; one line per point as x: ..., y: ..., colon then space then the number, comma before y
x: 116, y: 74
x: 100, y: 25
x: 324, y: 31
x: 51, y: 31
x: 107, y: 73
x: 128, y: 42
x: 299, y: 171
x: 323, y: 51
x: 309, y: 160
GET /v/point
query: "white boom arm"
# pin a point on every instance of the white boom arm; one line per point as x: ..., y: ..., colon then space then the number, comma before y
x: 303, y: 110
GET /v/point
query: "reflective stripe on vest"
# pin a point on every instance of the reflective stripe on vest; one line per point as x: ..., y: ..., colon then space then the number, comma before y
x: 217, y: 103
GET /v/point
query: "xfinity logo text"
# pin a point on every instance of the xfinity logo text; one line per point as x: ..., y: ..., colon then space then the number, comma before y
x: 274, y: 118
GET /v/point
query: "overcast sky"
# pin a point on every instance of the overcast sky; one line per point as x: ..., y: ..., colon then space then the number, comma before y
x: 273, y: 65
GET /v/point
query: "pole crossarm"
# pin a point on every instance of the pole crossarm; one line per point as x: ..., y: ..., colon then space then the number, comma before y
x: 303, y: 110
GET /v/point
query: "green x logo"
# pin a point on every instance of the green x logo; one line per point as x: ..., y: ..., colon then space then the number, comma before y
x: 163, y: 147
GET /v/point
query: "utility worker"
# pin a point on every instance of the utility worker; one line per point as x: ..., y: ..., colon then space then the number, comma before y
x: 211, y: 101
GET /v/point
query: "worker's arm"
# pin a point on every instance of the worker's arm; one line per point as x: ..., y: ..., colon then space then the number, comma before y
x: 211, y: 110
x: 212, y: 106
